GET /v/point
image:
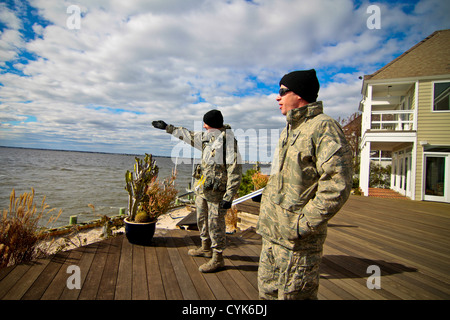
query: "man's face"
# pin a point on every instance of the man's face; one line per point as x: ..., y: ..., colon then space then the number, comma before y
x: 288, y: 101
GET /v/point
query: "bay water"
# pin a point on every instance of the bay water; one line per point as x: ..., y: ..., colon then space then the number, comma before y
x: 86, y: 184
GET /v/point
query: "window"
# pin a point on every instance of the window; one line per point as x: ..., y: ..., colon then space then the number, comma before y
x: 441, y: 96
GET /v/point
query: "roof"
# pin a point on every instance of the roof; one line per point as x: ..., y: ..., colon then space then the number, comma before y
x: 429, y: 57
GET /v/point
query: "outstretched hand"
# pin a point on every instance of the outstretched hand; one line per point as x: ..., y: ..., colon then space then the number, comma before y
x: 159, y: 124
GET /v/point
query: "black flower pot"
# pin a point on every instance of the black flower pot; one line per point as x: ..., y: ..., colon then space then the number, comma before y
x: 140, y: 233
x: 257, y: 198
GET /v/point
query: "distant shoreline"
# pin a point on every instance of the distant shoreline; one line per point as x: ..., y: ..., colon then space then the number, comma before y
x: 100, y: 152
x: 114, y: 153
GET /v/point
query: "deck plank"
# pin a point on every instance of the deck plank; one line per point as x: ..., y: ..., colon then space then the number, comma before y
x: 407, y: 240
x: 59, y: 282
x: 185, y: 282
x: 8, y: 290
x: 41, y: 284
x: 124, y: 276
x: 154, y: 279
x: 85, y: 262
x: 139, y: 290
x: 245, y: 260
x: 108, y: 280
x: 171, y: 286
x: 90, y: 286
x: 199, y: 282
x: 15, y: 288
x: 218, y: 290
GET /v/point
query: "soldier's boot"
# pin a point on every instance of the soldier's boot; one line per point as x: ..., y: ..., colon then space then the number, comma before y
x: 214, y: 264
x: 203, y: 251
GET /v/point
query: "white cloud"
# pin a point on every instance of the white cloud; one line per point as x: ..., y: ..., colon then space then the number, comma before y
x: 8, y: 17
x: 10, y: 38
x: 132, y: 62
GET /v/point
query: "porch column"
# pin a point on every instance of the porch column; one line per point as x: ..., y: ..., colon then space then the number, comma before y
x: 364, y: 169
x: 367, y: 111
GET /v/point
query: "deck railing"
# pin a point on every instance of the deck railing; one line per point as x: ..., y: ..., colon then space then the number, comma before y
x: 398, y: 120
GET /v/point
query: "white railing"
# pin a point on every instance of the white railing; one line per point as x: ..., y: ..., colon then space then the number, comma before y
x: 248, y: 196
x: 399, y: 120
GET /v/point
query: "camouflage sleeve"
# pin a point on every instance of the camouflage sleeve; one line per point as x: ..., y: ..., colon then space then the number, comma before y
x: 334, y: 165
x: 190, y: 137
x: 234, y: 171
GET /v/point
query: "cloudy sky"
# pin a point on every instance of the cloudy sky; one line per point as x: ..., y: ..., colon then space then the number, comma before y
x: 92, y: 75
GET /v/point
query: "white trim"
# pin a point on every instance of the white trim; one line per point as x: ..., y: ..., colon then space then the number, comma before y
x: 402, y: 171
x: 413, y: 169
x: 364, y: 168
x: 446, y: 196
x: 401, y: 136
x: 406, y: 80
x: 422, y: 187
x: 416, y: 105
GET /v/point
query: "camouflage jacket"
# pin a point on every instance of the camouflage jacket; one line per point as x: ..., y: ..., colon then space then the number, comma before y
x: 310, y: 180
x: 216, y: 179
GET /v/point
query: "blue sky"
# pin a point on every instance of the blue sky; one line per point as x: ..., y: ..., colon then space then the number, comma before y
x: 95, y: 81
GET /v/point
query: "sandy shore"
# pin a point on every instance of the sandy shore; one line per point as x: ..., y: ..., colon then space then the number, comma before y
x: 91, y: 235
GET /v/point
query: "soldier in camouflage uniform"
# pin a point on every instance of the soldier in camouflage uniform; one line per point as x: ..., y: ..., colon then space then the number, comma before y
x: 217, y: 181
x: 310, y: 181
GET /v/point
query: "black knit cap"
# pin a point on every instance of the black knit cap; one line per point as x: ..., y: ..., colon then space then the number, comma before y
x: 214, y: 119
x: 304, y: 83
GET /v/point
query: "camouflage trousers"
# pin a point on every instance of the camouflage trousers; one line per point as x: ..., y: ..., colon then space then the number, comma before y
x: 211, y: 223
x: 286, y: 274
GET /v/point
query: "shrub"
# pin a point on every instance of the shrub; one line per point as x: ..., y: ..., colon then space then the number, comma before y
x: 380, y: 176
x: 160, y: 196
x: 259, y: 180
x: 246, y: 185
x: 19, y: 230
x: 252, y: 180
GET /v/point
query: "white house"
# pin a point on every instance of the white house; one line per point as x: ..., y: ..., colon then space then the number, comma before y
x: 405, y: 109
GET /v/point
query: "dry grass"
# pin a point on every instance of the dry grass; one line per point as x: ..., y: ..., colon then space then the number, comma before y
x: 19, y: 229
x: 160, y: 196
x: 231, y: 219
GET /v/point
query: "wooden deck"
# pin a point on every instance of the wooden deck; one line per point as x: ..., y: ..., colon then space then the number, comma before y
x: 407, y: 240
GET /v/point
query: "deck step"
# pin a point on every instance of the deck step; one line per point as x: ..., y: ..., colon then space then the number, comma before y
x: 385, y: 193
x: 246, y: 220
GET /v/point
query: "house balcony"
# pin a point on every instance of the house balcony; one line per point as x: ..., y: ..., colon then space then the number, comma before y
x: 392, y: 120
x: 389, y: 108
x: 387, y: 129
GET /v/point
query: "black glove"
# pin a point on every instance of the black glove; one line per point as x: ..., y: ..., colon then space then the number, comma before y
x: 159, y: 124
x: 225, y: 204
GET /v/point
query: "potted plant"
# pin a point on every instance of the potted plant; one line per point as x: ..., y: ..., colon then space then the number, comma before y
x: 148, y: 198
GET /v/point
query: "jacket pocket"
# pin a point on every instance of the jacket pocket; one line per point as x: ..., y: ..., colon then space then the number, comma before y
x: 288, y: 224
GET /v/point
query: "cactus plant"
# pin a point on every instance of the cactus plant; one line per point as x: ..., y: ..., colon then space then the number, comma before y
x: 148, y: 198
x: 136, y: 183
x: 142, y: 216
